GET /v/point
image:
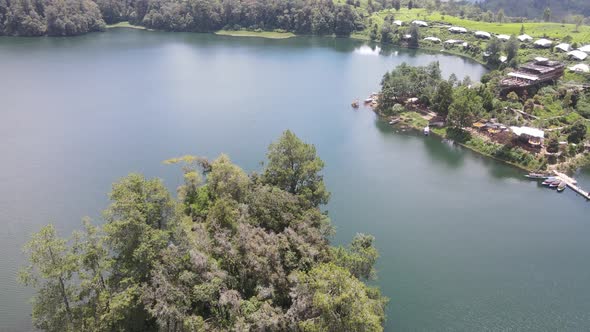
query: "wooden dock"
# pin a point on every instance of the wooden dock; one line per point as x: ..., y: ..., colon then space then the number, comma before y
x: 572, y: 184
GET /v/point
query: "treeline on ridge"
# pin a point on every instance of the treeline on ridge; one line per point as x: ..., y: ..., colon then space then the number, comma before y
x: 71, y: 17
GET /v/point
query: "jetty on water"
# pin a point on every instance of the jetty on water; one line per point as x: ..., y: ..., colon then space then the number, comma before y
x: 572, y: 184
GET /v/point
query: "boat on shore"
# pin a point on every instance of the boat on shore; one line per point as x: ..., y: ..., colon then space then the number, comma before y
x: 394, y: 121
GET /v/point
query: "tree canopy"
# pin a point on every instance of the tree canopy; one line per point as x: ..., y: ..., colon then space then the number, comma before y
x: 233, y: 252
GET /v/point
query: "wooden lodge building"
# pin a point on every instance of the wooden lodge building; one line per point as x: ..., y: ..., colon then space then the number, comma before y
x: 532, y: 74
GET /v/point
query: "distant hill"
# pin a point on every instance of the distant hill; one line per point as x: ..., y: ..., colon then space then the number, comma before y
x: 534, y: 8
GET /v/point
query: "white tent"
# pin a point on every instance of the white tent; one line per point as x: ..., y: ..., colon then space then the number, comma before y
x: 406, y: 37
x: 578, y: 55
x: 482, y: 34
x: 585, y: 49
x: 453, y: 41
x: 433, y: 39
x: 563, y: 47
x: 457, y: 30
x: 420, y: 23
x: 529, y: 131
x: 545, y: 43
x: 503, y: 58
x: 503, y: 37
x: 525, y: 38
x: 398, y: 23
x: 580, y: 68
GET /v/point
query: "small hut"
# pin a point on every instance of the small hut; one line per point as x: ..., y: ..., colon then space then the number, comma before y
x: 503, y: 37
x: 433, y: 39
x: 563, y: 47
x: 420, y: 23
x: 578, y: 55
x: 525, y: 38
x: 483, y: 35
x: 457, y: 30
x: 543, y: 43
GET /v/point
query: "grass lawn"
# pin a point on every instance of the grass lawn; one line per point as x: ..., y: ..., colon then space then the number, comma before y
x: 260, y: 34
x: 538, y: 30
x: 125, y: 25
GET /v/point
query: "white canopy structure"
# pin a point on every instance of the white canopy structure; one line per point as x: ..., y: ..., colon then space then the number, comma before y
x: 420, y: 23
x: 580, y: 68
x: 503, y: 37
x: 503, y: 58
x: 585, y: 48
x: 457, y: 30
x: 482, y: 34
x: 398, y: 23
x: 545, y: 43
x: 433, y: 39
x: 525, y: 38
x: 541, y: 59
x: 563, y: 47
x: 578, y: 55
x: 465, y: 44
x: 453, y: 41
x: 529, y: 131
x: 524, y: 76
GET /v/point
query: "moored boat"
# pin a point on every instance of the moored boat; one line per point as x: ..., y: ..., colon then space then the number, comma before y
x: 561, y: 187
x: 548, y: 181
x: 536, y: 176
x: 426, y: 131
x: 554, y: 184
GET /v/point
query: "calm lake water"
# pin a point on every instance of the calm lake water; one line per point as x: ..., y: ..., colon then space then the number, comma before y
x: 467, y: 244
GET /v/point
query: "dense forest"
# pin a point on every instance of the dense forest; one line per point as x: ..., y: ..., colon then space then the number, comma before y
x: 70, y: 17
x: 233, y: 252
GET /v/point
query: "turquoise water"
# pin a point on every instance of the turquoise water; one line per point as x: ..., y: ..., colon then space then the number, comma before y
x: 466, y: 242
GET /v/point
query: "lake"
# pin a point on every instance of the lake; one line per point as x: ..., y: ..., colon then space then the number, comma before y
x: 466, y: 242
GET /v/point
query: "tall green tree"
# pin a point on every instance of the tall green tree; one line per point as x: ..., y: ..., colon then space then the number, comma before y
x: 294, y: 166
x: 466, y: 106
x: 443, y: 98
x: 52, y: 266
x: 329, y: 298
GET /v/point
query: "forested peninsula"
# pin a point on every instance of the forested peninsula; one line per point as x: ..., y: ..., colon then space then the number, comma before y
x: 233, y: 252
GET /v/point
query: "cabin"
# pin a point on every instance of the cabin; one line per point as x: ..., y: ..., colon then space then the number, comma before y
x: 433, y: 39
x: 457, y: 30
x: 543, y: 43
x: 453, y: 41
x: 577, y: 55
x: 563, y: 47
x: 580, y: 68
x: 420, y: 23
x: 533, y: 74
x: 483, y: 35
x: 585, y: 48
x: 503, y: 37
x: 525, y: 38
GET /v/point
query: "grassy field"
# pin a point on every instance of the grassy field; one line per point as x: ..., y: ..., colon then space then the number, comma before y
x: 260, y: 34
x: 538, y: 30
x: 126, y: 25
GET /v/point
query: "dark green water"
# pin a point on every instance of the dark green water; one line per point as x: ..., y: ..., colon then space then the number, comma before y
x: 466, y: 243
